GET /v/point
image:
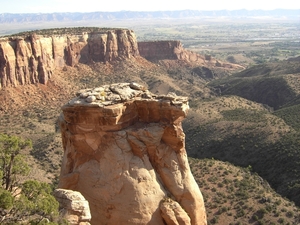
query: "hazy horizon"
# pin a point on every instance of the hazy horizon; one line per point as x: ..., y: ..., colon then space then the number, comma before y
x: 52, y: 6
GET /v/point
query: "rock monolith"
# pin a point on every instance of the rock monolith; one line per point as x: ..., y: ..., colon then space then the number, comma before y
x: 124, y: 151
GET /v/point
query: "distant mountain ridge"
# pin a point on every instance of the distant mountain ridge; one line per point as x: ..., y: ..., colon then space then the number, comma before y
x: 122, y: 15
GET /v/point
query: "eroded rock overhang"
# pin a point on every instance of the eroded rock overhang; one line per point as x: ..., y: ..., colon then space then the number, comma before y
x: 124, y: 151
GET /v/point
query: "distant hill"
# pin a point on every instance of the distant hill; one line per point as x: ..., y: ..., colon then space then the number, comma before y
x: 242, y: 132
x: 254, y: 121
x: 124, y: 15
x: 274, y: 84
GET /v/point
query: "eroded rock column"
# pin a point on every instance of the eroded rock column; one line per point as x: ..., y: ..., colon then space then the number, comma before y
x: 124, y: 152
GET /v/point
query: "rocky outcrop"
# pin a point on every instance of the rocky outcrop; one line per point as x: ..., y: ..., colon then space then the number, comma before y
x: 173, y: 50
x: 73, y: 207
x: 156, y: 50
x: 173, y: 214
x: 159, y: 50
x: 124, y: 151
x: 32, y: 59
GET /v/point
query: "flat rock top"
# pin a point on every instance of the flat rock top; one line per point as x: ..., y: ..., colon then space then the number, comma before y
x: 119, y: 93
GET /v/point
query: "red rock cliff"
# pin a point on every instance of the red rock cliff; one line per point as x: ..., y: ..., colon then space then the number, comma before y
x: 124, y: 152
x: 32, y: 59
x: 157, y: 50
x: 173, y: 50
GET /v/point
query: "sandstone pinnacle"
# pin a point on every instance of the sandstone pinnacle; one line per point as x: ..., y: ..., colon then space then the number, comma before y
x: 124, y: 151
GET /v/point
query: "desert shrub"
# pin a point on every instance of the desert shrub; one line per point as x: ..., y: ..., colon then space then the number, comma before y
x: 289, y: 214
x: 35, y: 199
x: 214, y: 220
x: 6, y: 200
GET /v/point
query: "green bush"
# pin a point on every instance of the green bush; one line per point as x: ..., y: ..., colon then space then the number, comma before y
x: 35, y: 199
x: 6, y: 200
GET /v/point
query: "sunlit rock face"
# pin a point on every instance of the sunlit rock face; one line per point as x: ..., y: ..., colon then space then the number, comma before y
x: 157, y: 50
x: 73, y: 207
x: 124, y: 152
x: 33, y: 58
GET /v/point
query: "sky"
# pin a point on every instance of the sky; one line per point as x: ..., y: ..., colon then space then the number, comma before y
x: 50, y: 6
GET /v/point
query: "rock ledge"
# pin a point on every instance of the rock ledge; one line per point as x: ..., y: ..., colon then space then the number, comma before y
x: 121, y: 92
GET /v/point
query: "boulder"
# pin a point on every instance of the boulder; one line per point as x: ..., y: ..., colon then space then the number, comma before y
x: 73, y: 206
x: 173, y: 213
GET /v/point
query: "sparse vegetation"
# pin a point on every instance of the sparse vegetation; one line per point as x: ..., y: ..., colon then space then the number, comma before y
x: 246, y: 136
x: 244, y: 195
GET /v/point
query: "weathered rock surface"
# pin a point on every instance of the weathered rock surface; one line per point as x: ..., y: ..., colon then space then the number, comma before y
x: 73, y: 206
x: 124, y: 151
x: 32, y: 59
x: 173, y: 213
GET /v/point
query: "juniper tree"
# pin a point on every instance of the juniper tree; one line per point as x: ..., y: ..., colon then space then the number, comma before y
x: 12, y: 162
x: 34, y: 201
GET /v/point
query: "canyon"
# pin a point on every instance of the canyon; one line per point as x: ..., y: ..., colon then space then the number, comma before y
x: 33, y: 58
x: 163, y: 66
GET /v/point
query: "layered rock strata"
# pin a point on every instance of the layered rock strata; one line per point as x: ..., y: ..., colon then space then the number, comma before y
x: 124, y: 151
x: 174, y: 50
x: 32, y: 59
x: 160, y: 50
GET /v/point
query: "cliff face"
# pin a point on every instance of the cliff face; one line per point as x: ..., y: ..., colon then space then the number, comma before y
x: 156, y: 50
x: 173, y: 50
x: 124, y: 151
x: 159, y: 50
x: 33, y: 58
